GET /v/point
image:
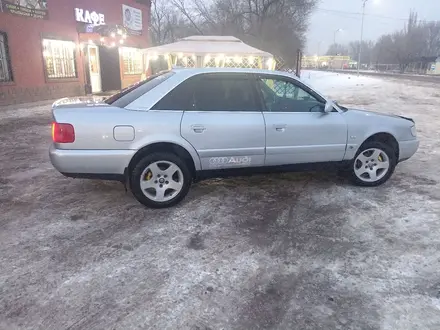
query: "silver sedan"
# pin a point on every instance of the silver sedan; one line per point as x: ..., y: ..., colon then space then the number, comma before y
x: 180, y: 126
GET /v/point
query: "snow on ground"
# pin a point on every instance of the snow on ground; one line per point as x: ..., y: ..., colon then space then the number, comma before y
x: 285, y: 251
x: 25, y: 110
x: 38, y: 108
x: 326, y: 82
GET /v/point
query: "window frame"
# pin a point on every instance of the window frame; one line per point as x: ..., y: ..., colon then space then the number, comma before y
x: 8, y: 59
x: 286, y: 79
x: 142, y: 60
x: 75, y: 59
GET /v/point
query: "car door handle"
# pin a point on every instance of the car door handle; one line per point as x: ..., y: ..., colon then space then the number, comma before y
x: 198, y: 128
x: 280, y: 127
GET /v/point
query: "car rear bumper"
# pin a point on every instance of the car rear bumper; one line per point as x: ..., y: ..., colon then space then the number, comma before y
x: 407, y: 149
x: 90, y: 163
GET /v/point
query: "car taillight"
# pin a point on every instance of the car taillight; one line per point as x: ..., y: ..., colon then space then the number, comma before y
x: 63, y: 133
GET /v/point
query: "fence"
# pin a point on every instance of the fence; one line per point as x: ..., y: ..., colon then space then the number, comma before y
x: 342, y: 64
x: 326, y: 62
x: 415, y: 68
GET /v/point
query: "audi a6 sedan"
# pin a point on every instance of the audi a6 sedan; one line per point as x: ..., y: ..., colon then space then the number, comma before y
x: 180, y: 126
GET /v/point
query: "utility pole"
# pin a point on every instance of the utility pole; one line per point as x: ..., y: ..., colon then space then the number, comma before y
x: 362, y: 36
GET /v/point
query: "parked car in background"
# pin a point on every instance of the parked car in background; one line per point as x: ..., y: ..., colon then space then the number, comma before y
x: 183, y: 125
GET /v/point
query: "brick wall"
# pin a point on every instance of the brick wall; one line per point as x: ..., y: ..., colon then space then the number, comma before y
x: 130, y: 80
x: 16, y: 94
x: 26, y: 52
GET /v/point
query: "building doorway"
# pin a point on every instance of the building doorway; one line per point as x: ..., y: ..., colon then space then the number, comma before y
x: 94, y: 68
x: 110, y: 68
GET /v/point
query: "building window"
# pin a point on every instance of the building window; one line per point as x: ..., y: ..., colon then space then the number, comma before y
x: 5, y: 64
x: 59, y: 58
x: 132, y: 59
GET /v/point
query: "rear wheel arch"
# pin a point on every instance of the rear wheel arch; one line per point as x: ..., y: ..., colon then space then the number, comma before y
x: 170, y: 147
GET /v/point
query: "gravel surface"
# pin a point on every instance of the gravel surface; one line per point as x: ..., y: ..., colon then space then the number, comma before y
x: 284, y: 251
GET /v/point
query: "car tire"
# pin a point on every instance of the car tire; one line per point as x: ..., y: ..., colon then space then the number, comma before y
x: 368, y: 169
x: 156, y: 177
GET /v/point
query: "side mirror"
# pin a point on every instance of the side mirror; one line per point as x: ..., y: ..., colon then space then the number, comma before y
x: 328, y: 107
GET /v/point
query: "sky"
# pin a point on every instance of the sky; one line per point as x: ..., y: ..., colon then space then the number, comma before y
x: 332, y: 15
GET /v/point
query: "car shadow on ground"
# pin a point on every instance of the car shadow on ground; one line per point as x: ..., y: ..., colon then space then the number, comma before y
x: 280, y: 183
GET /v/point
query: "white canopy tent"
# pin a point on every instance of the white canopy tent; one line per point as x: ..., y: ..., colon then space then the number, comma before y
x: 210, y: 51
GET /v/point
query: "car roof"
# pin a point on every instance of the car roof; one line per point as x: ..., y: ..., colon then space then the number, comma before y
x: 194, y: 71
x: 178, y: 75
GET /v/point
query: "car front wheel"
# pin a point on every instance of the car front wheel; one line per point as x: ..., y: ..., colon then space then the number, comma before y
x: 373, y: 165
x: 160, y: 180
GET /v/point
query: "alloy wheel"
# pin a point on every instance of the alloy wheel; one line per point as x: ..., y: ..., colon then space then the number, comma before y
x: 371, y: 165
x: 161, y: 181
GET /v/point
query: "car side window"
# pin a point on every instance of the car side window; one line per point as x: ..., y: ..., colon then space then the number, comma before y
x: 179, y: 98
x: 225, y: 92
x: 284, y: 96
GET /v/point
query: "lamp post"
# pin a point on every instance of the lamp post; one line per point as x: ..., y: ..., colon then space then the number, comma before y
x: 334, y: 35
x: 334, y: 43
x: 334, y: 40
x: 362, y: 35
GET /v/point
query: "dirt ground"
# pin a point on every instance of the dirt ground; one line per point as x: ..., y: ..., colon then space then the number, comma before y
x: 285, y: 251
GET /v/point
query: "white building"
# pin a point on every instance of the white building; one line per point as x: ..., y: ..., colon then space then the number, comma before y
x: 208, y: 51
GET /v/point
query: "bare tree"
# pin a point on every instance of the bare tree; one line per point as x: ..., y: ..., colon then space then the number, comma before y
x: 163, y: 22
x: 433, y: 38
x: 337, y: 49
x: 367, y: 51
x: 383, y: 52
x: 187, y: 13
x: 417, y: 43
x: 410, y: 44
x: 277, y: 26
x: 168, y: 24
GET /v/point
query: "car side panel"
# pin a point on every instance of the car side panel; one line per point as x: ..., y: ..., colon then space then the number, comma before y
x: 94, y: 125
x: 225, y: 139
x: 303, y: 137
x: 407, y: 149
x: 90, y: 161
x: 162, y: 126
x: 363, y: 124
x: 95, y: 130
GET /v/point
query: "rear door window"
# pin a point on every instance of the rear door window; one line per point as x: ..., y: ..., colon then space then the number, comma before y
x: 212, y: 92
x: 226, y: 92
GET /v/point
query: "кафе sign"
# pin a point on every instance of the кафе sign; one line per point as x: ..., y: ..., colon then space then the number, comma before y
x: 131, y: 17
x: 89, y: 17
x: 94, y: 22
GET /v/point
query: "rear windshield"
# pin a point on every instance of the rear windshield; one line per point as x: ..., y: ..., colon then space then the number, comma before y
x: 133, y: 92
